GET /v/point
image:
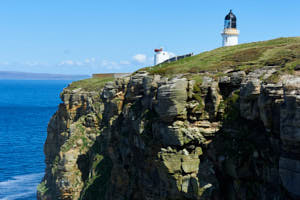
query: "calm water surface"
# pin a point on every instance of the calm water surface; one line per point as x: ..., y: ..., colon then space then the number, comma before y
x: 25, y: 110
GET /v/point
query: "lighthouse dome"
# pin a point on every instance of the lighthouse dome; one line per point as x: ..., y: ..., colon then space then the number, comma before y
x: 230, y: 20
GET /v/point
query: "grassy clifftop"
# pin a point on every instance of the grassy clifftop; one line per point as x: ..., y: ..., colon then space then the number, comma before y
x: 91, y: 84
x: 283, y: 52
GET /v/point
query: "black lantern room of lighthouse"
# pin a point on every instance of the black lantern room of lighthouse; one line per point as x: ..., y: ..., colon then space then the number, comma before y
x: 230, y: 21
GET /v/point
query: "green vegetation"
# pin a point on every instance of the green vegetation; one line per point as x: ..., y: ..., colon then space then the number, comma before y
x: 41, y: 188
x: 200, y: 107
x: 91, y: 84
x: 55, y: 165
x: 232, y: 111
x: 97, y: 185
x: 287, y: 69
x: 279, y: 52
x: 78, y: 136
x: 198, y: 81
x: 197, y: 93
x: 71, y: 142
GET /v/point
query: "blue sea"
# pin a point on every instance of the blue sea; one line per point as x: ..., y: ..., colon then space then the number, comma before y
x: 25, y: 110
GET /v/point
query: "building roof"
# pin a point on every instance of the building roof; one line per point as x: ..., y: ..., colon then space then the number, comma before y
x: 230, y: 16
x: 158, y: 50
x: 230, y: 20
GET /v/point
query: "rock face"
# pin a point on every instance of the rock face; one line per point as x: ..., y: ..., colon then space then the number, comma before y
x: 289, y: 163
x: 149, y: 137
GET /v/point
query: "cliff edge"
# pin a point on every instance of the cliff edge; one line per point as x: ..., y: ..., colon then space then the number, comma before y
x: 224, y: 124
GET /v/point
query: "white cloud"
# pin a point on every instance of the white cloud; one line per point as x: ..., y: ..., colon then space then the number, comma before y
x: 4, y: 63
x: 87, y: 65
x: 78, y: 63
x: 30, y: 63
x: 124, y: 62
x: 110, y: 64
x: 140, y: 58
x: 105, y: 62
x: 89, y: 60
x: 66, y: 62
x: 70, y: 63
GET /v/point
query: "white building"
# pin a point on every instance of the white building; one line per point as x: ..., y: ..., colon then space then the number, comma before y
x: 230, y: 33
x: 161, y: 56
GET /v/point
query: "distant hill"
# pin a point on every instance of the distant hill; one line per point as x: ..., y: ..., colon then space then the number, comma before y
x: 8, y: 75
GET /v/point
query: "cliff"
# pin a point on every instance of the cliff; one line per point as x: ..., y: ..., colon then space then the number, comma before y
x: 220, y: 125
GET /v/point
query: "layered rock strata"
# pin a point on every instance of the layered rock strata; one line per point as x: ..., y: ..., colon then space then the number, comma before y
x: 235, y: 136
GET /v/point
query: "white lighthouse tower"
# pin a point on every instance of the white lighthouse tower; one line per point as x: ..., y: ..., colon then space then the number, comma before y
x: 160, y: 56
x: 230, y: 33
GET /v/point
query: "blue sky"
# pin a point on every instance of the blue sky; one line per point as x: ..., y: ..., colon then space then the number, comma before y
x: 90, y: 36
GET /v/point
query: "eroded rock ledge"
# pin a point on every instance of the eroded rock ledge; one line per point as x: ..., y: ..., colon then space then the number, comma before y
x: 149, y: 137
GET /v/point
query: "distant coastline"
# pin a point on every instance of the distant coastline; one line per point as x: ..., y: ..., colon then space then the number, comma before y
x: 11, y: 75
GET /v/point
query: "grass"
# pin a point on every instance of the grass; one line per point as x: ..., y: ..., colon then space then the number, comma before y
x: 91, y: 84
x: 279, y: 51
x: 80, y: 134
x: 232, y: 111
x: 96, y: 187
x: 41, y: 188
x: 247, y: 57
x: 288, y: 68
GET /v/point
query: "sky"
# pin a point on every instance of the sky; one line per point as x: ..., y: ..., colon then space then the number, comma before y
x: 96, y: 36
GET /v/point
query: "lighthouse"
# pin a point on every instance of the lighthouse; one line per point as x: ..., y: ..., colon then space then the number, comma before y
x: 160, y: 56
x: 230, y: 33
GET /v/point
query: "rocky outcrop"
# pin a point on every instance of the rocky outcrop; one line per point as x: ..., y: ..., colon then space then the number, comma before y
x: 235, y: 136
x: 289, y: 163
x: 171, y: 99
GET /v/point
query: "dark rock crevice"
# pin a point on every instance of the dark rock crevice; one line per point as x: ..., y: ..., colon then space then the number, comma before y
x: 150, y: 137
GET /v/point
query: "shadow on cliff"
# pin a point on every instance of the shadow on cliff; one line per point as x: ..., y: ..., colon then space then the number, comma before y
x: 95, y: 167
x: 138, y: 171
x: 245, y: 160
x: 124, y: 164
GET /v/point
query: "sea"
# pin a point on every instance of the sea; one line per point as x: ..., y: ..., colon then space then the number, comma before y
x: 25, y: 109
